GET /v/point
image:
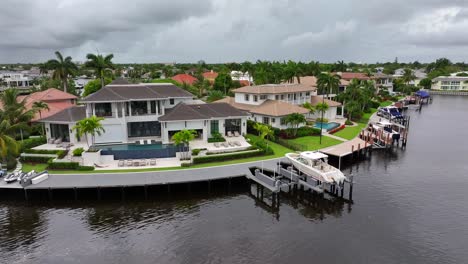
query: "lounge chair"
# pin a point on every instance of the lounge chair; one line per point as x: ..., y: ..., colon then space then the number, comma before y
x: 236, y: 134
x: 137, y: 142
x: 142, y: 142
x: 231, y: 144
x: 153, y: 162
x: 100, y: 165
x: 121, y: 163
x: 229, y: 134
x: 51, y: 140
x: 58, y: 141
x: 128, y: 163
x: 148, y: 141
x: 153, y: 141
x: 237, y: 143
x: 216, y: 144
x: 136, y: 163
x: 224, y: 144
x: 142, y: 162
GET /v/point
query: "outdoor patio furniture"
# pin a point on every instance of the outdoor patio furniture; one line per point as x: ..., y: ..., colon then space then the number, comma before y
x: 153, y: 141
x: 224, y: 144
x: 229, y: 134
x: 136, y: 163
x: 137, y: 142
x: 120, y: 163
x: 231, y: 144
x: 236, y: 134
x: 100, y: 165
x: 58, y: 141
x: 153, y: 162
x: 142, y: 141
x: 148, y: 141
x: 51, y: 140
x: 128, y: 163
x: 216, y: 144
x: 142, y: 162
x: 237, y: 143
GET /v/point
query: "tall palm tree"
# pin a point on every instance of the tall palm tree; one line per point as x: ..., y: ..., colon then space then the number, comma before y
x: 89, y: 126
x: 327, y: 83
x: 294, y: 120
x: 184, y: 137
x: 309, y: 107
x: 14, y: 110
x: 322, y: 108
x: 100, y: 64
x: 408, y: 76
x: 8, y: 144
x: 264, y: 131
x: 63, y: 69
x: 39, y: 106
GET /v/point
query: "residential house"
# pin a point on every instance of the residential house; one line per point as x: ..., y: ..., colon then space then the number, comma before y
x: 184, y: 78
x: 210, y: 76
x: 55, y: 99
x: 312, y: 82
x: 384, y: 81
x: 349, y: 76
x: 153, y: 111
x: 450, y: 83
x: 418, y: 74
x: 15, y: 79
x: 335, y: 109
x: 243, y: 77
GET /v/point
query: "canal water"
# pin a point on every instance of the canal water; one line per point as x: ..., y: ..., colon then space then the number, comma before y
x: 410, y: 206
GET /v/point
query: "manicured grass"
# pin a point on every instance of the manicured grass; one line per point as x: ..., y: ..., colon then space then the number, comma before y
x: 313, y: 142
x: 385, y: 103
x: 350, y: 132
x: 27, y: 167
x: 278, y: 150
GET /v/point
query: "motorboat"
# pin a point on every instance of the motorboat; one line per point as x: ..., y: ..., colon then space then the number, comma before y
x: 29, y: 179
x: 27, y: 175
x: 389, y: 112
x: 315, y: 164
x: 12, y: 177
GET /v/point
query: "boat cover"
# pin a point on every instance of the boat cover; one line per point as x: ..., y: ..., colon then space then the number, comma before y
x: 422, y: 94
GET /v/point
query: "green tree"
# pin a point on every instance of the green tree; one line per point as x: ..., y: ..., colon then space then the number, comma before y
x: 426, y: 83
x: 184, y: 137
x: 63, y: 69
x: 328, y: 83
x: 322, y: 108
x: 294, y: 120
x: 89, y: 126
x: 215, y: 96
x: 101, y: 65
x: 353, y: 96
x: 264, y: 131
x: 202, y: 86
x: 8, y: 144
x: 223, y: 82
x: 39, y: 106
x: 408, y: 76
x: 14, y: 110
x: 94, y: 86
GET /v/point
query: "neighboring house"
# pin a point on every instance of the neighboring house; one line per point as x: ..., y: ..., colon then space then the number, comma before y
x: 418, y: 74
x: 384, y: 81
x: 335, y: 109
x: 349, y: 76
x: 80, y: 83
x: 184, y: 78
x: 15, y: 79
x: 271, y: 103
x: 242, y: 77
x: 149, y: 111
x: 311, y: 81
x: 55, y: 99
x: 60, y: 125
x: 450, y: 83
x: 210, y: 76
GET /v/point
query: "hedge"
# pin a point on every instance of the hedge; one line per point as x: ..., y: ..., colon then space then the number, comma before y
x: 301, y: 132
x: 214, y: 140
x: 62, y: 165
x: 60, y: 153
x: 85, y: 168
x: 78, y: 152
x: 35, y: 159
x: 224, y: 157
x: 31, y: 143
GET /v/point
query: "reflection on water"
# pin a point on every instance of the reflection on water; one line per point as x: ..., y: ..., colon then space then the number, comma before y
x: 409, y: 206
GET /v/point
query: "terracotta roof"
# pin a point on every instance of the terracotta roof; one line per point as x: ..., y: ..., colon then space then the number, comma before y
x: 184, y: 78
x: 210, y: 75
x: 353, y: 75
x: 244, y: 83
x: 69, y: 115
x: 268, y: 108
x: 274, y: 89
x: 312, y: 81
x: 55, y: 99
x: 201, y: 111
x: 129, y: 92
x: 314, y: 100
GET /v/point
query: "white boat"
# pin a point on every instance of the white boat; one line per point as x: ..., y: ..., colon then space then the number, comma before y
x: 12, y: 177
x: 315, y: 164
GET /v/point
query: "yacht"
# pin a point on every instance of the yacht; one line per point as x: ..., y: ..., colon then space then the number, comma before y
x: 315, y: 164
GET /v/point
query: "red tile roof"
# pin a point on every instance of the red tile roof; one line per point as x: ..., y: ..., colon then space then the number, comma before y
x: 354, y: 75
x: 244, y: 83
x: 184, y: 78
x: 56, y: 101
x: 211, y: 75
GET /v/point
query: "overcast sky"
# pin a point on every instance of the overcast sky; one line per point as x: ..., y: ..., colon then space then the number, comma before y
x: 235, y: 30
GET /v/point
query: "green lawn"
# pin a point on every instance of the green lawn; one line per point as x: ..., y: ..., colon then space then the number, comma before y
x: 313, y: 142
x: 27, y: 167
x: 350, y: 132
x: 385, y: 103
x: 279, y: 151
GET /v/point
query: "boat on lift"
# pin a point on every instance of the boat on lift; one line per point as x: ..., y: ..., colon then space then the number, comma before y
x: 315, y: 164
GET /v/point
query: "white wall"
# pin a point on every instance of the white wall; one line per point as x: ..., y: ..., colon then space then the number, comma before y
x: 330, y: 114
x: 113, y: 133
x: 301, y: 98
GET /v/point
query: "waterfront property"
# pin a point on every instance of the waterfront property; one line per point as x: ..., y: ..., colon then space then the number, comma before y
x: 55, y: 99
x: 451, y: 83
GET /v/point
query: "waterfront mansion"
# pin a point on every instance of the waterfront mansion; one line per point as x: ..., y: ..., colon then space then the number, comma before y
x: 147, y: 111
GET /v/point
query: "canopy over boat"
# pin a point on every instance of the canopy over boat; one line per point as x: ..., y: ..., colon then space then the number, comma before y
x: 313, y: 155
x: 422, y: 94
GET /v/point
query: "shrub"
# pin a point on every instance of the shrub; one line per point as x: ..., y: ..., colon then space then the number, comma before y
x: 324, y: 120
x: 35, y: 159
x: 291, y: 145
x: 195, y: 152
x: 85, y: 168
x: 63, y: 165
x: 348, y: 122
x: 301, y: 132
x: 216, y: 137
x: 11, y: 164
x: 40, y: 151
x: 31, y: 143
x: 374, y: 104
x: 62, y: 153
x: 186, y: 164
x: 78, y: 151
x: 224, y: 157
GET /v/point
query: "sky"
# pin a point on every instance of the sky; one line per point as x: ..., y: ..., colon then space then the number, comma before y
x: 216, y: 31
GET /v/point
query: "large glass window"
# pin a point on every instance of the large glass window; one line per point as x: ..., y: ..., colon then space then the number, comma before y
x: 139, y: 108
x: 60, y: 131
x: 246, y: 97
x: 103, y: 109
x: 266, y: 120
x: 233, y: 125
x: 153, y: 107
x: 144, y: 129
x: 214, y: 125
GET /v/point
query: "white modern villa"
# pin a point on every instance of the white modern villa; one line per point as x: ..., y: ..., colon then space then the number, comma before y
x: 154, y: 112
x: 14, y: 79
x: 450, y: 83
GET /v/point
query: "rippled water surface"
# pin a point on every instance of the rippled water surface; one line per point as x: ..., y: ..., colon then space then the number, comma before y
x: 410, y: 206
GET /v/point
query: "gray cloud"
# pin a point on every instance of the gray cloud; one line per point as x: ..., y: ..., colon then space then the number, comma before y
x: 223, y: 30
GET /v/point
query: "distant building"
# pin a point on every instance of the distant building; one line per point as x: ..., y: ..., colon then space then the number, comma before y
x: 184, y: 78
x: 15, y: 79
x: 210, y: 76
x: 241, y: 77
x: 456, y: 83
x: 55, y: 99
x: 80, y: 83
x: 384, y: 81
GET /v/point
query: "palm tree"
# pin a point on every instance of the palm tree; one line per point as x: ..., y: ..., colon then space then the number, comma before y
x: 309, y: 107
x: 353, y: 95
x: 63, y: 69
x: 14, y: 110
x: 100, y: 64
x: 408, y: 76
x: 8, y: 144
x: 89, y: 126
x: 39, y: 106
x: 322, y: 108
x: 184, y: 137
x: 264, y: 131
x: 294, y: 120
x: 327, y: 83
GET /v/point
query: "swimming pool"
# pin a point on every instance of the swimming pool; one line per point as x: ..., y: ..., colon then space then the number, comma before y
x: 135, y: 151
x: 327, y: 126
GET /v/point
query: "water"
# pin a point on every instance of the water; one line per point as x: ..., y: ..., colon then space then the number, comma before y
x: 327, y: 126
x: 410, y: 206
